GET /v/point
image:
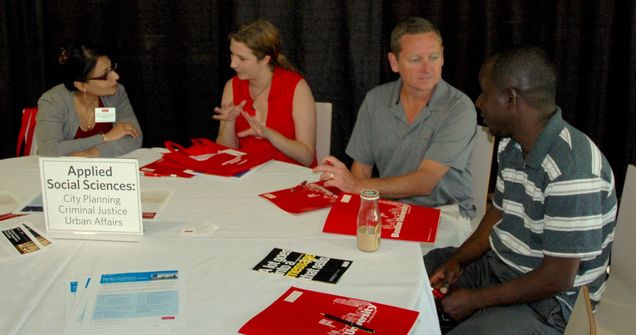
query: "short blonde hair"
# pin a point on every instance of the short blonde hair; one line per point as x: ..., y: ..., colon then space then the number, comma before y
x: 412, y: 25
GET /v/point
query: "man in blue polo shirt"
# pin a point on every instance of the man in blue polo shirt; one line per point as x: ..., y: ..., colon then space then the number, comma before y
x: 418, y: 131
x: 551, y: 226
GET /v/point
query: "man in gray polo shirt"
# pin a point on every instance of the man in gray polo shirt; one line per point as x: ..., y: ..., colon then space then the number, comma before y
x: 551, y: 226
x: 418, y: 131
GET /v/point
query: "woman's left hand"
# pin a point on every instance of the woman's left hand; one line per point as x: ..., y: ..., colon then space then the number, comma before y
x: 257, y: 128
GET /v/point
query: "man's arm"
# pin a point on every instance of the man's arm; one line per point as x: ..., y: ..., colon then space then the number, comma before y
x: 361, y: 170
x: 417, y: 183
x: 420, y: 182
x: 553, y: 276
x: 474, y: 247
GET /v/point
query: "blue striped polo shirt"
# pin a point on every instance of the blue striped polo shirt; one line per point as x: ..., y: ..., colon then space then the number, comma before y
x: 559, y: 201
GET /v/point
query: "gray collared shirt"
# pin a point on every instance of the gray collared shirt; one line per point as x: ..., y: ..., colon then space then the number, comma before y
x: 444, y: 131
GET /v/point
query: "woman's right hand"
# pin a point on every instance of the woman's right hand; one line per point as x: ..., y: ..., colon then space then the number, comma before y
x: 120, y: 130
x: 228, y: 111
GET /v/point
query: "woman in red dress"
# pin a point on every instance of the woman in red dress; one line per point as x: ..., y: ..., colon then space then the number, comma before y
x: 268, y: 106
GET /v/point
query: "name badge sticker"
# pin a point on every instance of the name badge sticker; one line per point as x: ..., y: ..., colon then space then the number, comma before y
x: 105, y: 114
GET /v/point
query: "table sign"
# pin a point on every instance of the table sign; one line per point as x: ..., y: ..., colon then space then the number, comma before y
x: 96, y: 198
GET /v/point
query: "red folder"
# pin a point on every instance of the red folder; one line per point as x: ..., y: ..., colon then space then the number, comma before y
x: 300, y: 311
x: 303, y: 197
x: 400, y: 221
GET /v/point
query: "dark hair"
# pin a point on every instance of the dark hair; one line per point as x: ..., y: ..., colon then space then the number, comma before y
x: 264, y: 40
x: 77, y: 61
x: 412, y: 25
x: 530, y: 72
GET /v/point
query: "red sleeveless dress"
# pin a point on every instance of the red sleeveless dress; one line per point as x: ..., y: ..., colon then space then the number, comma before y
x: 279, y: 112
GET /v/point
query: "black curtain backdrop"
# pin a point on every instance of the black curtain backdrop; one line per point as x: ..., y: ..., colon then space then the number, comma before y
x: 173, y: 56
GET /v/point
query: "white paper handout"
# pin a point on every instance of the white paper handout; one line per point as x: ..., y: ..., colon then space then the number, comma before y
x: 8, y: 204
x: 34, y: 205
x: 153, y: 202
x: 135, y: 301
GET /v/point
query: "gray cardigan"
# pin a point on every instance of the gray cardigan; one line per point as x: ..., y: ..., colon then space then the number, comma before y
x: 57, y: 123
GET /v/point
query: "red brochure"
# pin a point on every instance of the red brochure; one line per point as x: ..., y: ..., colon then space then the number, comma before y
x: 303, y: 197
x: 300, y: 311
x: 400, y: 221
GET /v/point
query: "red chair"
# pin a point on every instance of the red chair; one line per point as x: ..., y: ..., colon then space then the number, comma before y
x: 26, y: 146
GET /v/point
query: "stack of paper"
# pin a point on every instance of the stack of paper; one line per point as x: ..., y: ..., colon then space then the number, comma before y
x: 139, y: 302
x: 8, y: 204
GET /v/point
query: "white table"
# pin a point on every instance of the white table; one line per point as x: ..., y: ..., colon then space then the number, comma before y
x: 221, y: 290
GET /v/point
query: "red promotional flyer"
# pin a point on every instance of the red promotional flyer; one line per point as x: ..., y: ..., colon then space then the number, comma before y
x: 303, y: 197
x: 400, y: 221
x: 300, y: 311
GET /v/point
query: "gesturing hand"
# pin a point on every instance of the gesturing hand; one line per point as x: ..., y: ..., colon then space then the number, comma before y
x: 257, y: 128
x: 228, y: 111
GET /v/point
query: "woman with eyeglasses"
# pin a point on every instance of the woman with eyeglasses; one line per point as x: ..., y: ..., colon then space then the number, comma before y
x: 267, y: 106
x: 89, y: 115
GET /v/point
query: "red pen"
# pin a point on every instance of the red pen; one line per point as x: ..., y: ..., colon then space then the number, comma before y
x: 438, y: 294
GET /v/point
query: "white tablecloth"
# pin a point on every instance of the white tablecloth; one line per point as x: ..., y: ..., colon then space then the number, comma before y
x: 221, y: 290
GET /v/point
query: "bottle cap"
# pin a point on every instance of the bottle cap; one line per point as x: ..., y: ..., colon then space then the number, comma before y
x: 369, y: 195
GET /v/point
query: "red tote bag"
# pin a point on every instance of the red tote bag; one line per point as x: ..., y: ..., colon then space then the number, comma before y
x: 205, y: 156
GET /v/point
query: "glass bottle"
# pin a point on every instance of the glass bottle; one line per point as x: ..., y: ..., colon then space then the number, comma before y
x: 369, y: 221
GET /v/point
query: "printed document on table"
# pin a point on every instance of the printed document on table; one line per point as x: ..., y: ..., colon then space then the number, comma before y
x: 20, y: 239
x: 8, y: 203
x: 131, y: 300
x: 34, y: 205
x: 301, y: 265
x: 153, y: 202
x: 75, y: 288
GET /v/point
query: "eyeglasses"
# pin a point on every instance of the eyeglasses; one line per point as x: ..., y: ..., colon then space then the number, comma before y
x: 105, y: 75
